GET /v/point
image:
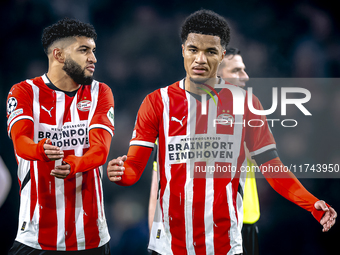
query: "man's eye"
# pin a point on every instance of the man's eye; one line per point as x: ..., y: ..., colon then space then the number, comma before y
x: 192, y: 50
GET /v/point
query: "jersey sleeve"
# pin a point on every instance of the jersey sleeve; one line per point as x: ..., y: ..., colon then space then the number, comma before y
x: 24, y: 146
x: 259, y: 138
x: 96, y: 156
x: 137, y: 159
x: 147, y: 124
x: 19, y: 105
x: 287, y: 185
x: 104, y: 114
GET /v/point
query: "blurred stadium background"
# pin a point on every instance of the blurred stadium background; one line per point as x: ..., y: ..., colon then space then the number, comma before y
x: 138, y: 51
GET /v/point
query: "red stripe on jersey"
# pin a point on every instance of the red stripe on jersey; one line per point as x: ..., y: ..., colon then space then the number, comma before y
x: 67, y: 108
x: 225, y: 111
x: 201, y: 120
x: 84, y: 102
x: 90, y: 210
x: 198, y: 209
x: 178, y: 112
x: 176, y: 208
x: 70, y: 202
x: 162, y: 178
x: 47, y: 101
x: 33, y: 190
x: 48, y: 226
x: 221, y: 215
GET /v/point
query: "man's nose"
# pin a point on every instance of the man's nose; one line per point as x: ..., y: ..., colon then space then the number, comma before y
x: 244, y: 76
x: 201, y: 58
x: 92, y: 58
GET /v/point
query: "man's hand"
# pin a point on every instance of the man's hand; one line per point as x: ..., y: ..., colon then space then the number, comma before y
x: 52, y: 152
x: 328, y: 219
x: 115, y: 168
x: 61, y: 171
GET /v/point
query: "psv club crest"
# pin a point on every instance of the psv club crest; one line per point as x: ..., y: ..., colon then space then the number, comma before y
x: 84, y: 105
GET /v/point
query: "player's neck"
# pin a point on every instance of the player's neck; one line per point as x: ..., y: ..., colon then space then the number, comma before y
x: 62, y: 81
x: 200, y: 88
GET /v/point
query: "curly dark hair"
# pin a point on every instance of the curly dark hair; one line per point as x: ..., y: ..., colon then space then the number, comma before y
x: 206, y: 22
x: 66, y: 28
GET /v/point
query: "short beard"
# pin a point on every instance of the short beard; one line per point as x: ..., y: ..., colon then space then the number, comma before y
x: 199, y: 80
x: 73, y: 69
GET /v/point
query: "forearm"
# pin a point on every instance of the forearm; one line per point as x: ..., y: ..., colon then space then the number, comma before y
x: 287, y: 185
x: 96, y: 156
x: 22, y: 137
x: 137, y: 158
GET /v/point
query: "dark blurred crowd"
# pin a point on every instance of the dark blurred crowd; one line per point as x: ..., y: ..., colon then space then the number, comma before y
x: 139, y: 50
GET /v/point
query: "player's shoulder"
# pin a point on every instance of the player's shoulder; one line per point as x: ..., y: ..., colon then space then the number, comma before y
x: 237, y: 91
x: 25, y: 86
x: 101, y: 84
x: 157, y: 93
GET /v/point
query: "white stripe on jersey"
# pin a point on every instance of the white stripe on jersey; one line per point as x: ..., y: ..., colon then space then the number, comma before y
x: 60, y: 207
x: 60, y: 107
x: 94, y: 94
x: 189, y: 188
x: 79, y: 212
x: 209, y: 187
x: 45, y: 79
x: 23, y: 168
x: 103, y: 231
x: 102, y: 127
x: 166, y: 195
x: 234, y: 232
x: 36, y: 109
x: 36, y: 215
x: 142, y: 143
x: 263, y: 149
x: 208, y: 215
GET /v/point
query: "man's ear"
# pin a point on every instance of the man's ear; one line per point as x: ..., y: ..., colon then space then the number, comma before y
x: 59, y: 55
x: 182, y: 50
x: 223, y: 55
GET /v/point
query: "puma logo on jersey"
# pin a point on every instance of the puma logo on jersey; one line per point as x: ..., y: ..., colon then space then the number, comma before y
x: 49, y: 111
x: 11, y: 92
x: 177, y: 120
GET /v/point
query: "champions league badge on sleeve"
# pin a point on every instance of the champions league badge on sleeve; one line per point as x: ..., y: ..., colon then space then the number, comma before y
x: 11, y: 105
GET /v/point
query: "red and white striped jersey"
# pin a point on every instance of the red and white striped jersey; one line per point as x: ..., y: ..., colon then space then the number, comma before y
x: 57, y: 214
x: 199, y: 207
